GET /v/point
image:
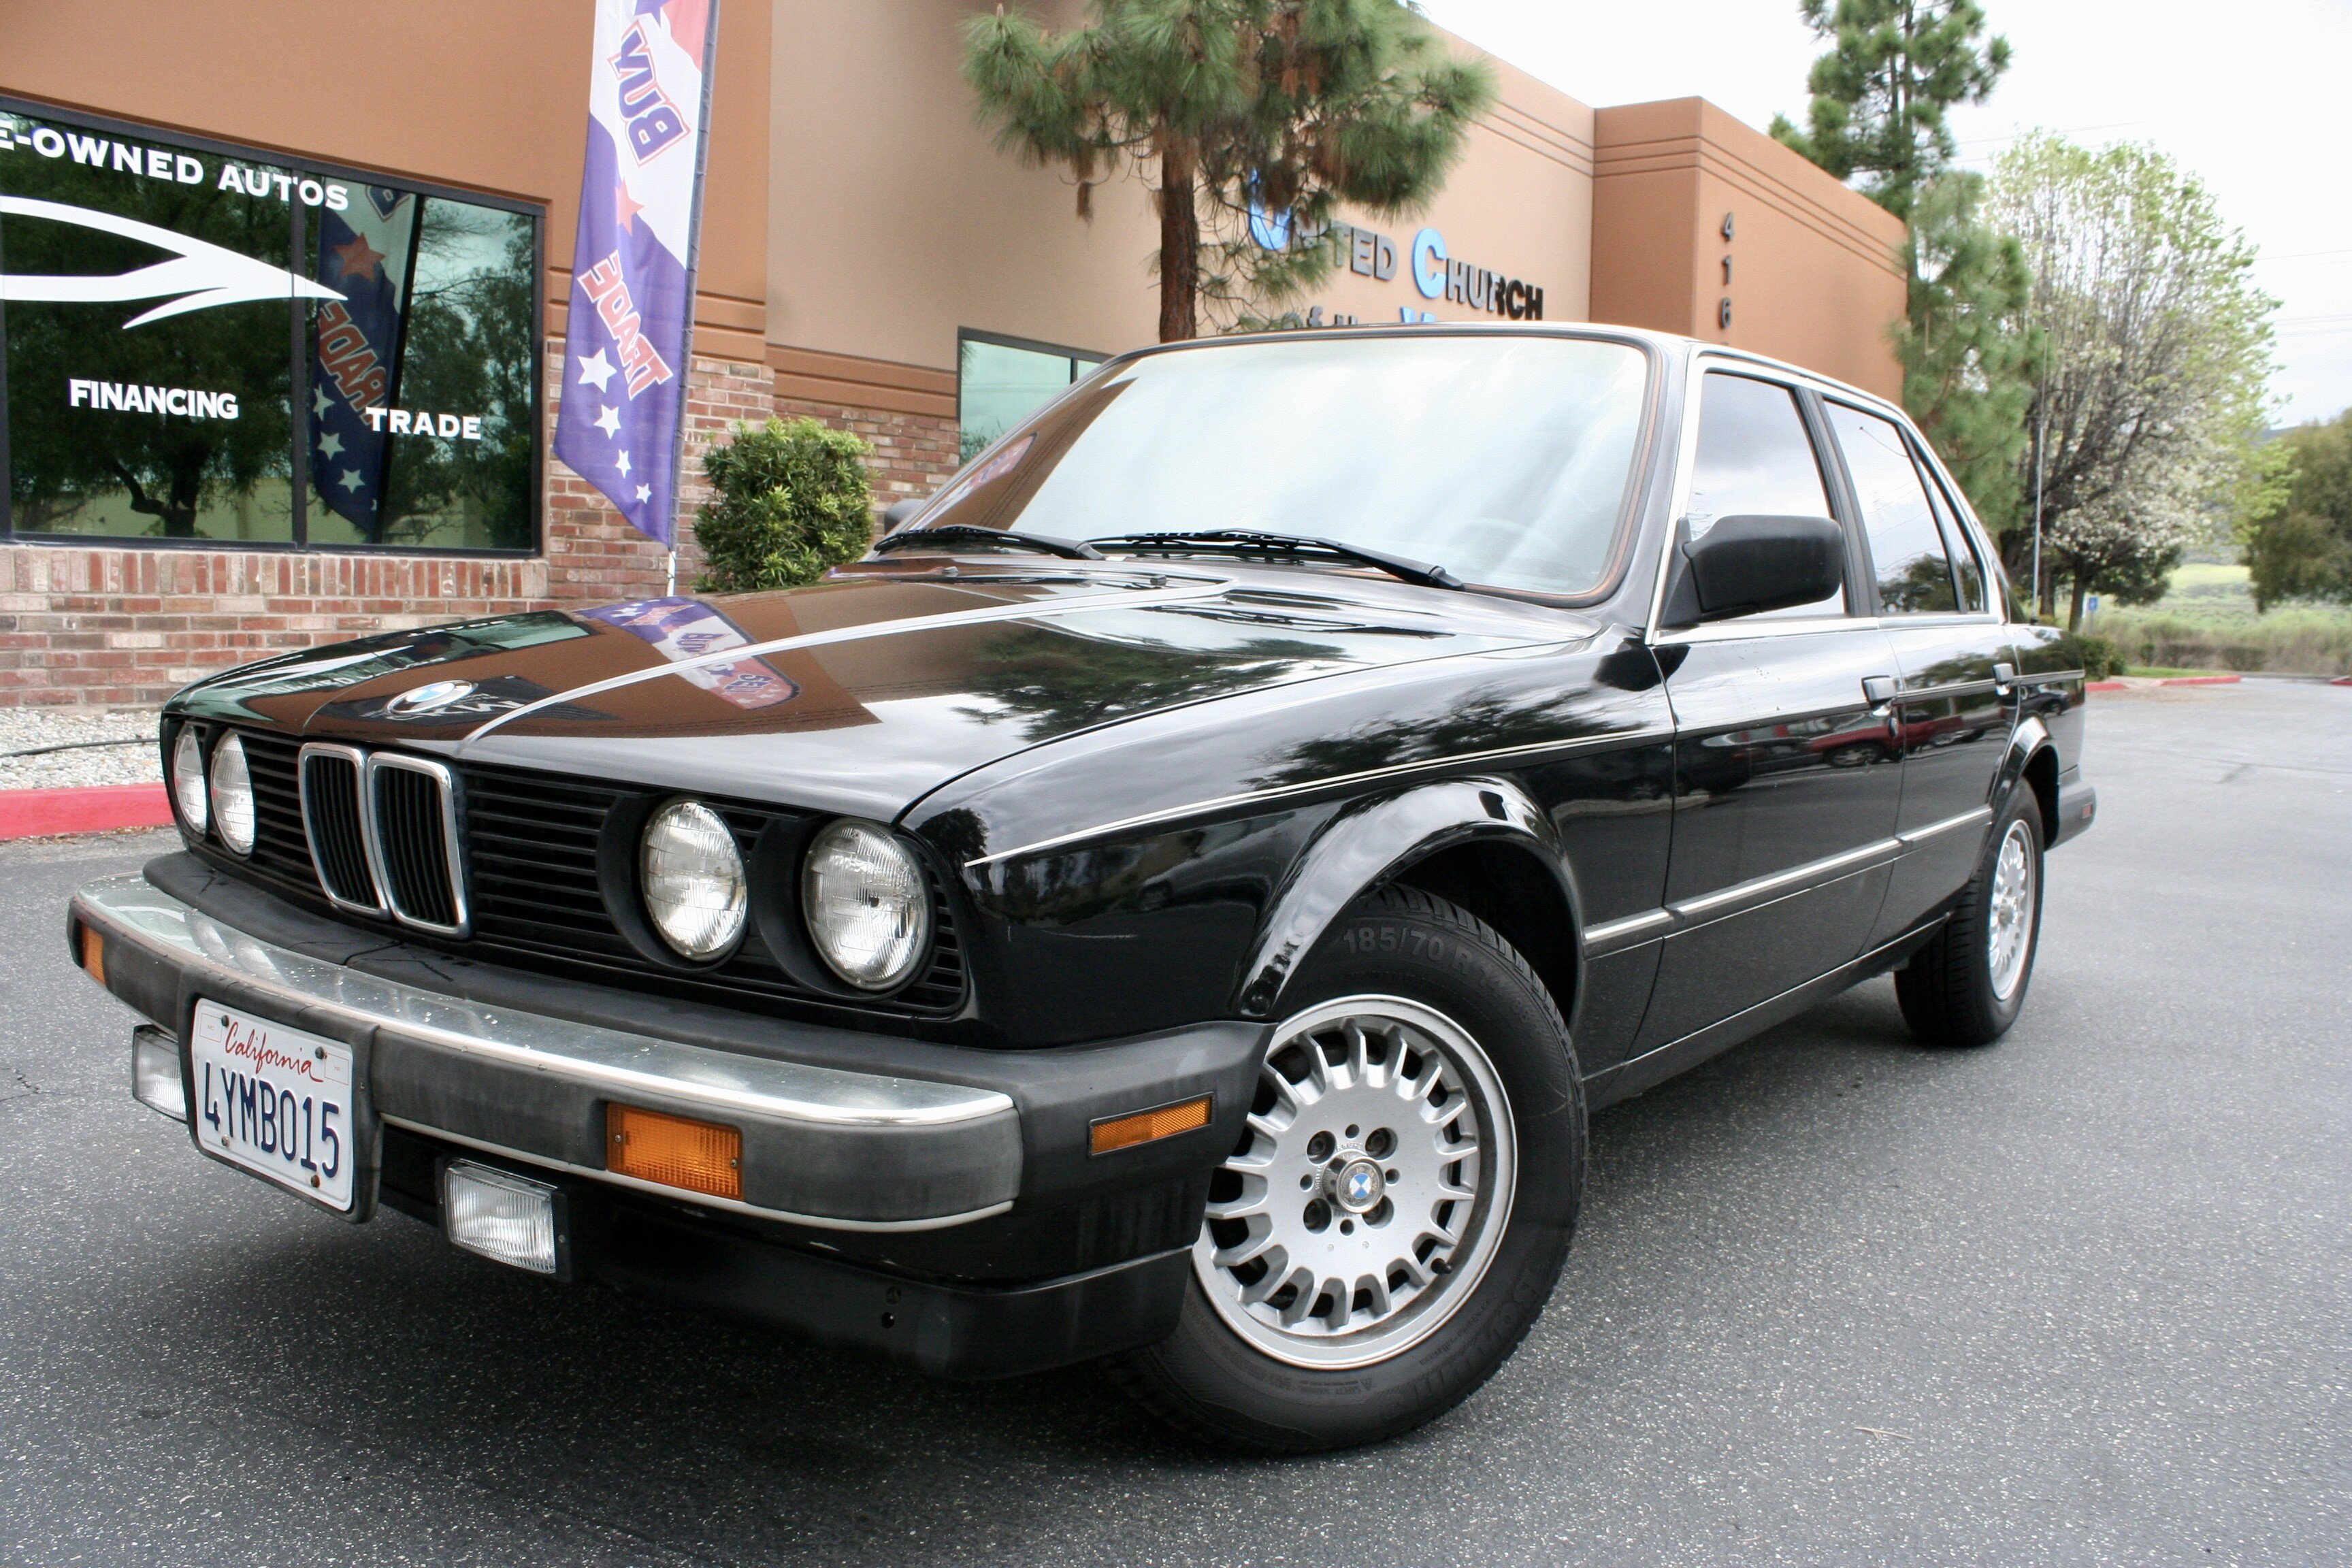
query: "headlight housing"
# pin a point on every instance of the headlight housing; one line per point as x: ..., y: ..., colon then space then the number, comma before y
x: 188, y: 778
x: 868, y: 913
x: 691, y: 875
x: 232, y: 796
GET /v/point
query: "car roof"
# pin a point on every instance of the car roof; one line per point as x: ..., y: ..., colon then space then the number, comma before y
x: 1675, y: 343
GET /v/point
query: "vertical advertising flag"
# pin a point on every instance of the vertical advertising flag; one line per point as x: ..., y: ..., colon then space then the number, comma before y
x: 626, y: 335
x: 367, y: 252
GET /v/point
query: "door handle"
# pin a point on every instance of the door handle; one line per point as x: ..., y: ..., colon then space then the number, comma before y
x: 2004, y: 678
x: 1878, y: 691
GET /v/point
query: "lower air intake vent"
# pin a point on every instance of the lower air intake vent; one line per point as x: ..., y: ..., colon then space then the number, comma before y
x: 330, y: 821
x: 415, y: 859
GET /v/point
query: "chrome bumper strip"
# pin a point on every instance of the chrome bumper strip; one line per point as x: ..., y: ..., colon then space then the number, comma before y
x: 809, y: 1131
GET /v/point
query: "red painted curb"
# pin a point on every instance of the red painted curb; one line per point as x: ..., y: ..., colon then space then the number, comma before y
x: 2341, y: 680
x: 2200, y: 680
x: 2106, y: 686
x: 44, y: 813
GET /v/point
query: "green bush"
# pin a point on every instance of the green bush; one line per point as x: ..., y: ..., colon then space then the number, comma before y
x: 792, y: 500
x: 2293, y: 640
x: 2097, y: 656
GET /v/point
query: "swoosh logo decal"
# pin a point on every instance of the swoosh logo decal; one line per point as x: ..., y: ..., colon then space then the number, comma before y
x: 1143, y: 598
x: 204, y: 273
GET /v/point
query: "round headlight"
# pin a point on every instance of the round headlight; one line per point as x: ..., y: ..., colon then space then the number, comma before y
x: 188, y: 778
x: 693, y: 880
x: 233, y: 796
x: 868, y: 913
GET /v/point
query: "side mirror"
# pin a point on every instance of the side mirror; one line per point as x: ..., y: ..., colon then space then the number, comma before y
x: 899, y: 511
x: 1748, y: 563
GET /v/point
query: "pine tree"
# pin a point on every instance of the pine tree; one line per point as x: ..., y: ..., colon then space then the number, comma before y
x: 1288, y: 107
x: 1880, y: 94
x: 1966, y: 345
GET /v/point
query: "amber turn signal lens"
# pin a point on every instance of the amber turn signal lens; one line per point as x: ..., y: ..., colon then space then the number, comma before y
x: 93, y: 954
x: 1145, y: 1126
x: 699, y: 1157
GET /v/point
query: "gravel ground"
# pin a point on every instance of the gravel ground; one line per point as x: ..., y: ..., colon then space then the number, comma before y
x: 26, y: 729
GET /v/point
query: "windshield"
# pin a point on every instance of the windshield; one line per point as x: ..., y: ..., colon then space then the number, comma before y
x: 1504, y: 459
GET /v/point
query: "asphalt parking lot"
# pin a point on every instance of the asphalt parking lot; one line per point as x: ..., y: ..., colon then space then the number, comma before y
x: 2085, y: 1297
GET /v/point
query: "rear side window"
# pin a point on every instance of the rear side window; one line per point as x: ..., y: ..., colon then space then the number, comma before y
x: 1907, y: 547
x: 1756, y: 458
x: 1965, y: 569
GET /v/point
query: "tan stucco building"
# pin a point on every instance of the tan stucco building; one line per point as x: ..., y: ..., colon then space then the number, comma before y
x: 868, y: 255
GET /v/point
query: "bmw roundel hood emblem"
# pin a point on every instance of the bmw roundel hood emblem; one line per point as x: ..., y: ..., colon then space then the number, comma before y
x: 427, y: 699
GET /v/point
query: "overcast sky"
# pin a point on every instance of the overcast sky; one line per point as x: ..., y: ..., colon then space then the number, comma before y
x: 2253, y: 101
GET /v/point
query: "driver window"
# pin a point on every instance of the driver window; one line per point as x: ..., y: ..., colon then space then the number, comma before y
x: 1756, y: 456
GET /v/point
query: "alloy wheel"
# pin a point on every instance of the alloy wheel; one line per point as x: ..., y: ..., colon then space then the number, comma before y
x: 1371, y: 1190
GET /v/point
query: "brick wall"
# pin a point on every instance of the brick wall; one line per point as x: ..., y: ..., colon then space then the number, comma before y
x: 914, y: 454
x: 116, y: 626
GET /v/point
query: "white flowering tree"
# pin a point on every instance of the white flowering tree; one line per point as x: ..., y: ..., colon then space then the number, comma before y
x: 2148, y: 402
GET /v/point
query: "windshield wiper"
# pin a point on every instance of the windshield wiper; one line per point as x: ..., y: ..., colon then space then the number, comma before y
x: 1426, y: 574
x: 1069, y: 549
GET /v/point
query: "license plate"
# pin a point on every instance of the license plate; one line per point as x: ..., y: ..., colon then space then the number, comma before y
x: 276, y: 1100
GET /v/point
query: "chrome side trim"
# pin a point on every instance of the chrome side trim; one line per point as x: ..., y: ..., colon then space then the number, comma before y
x: 358, y: 759
x: 1709, y: 907
x: 1337, y: 781
x: 1919, y: 836
x: 453, y: 852
x: 1127, y: 599
x: 699, y: 1200
x: 1948, y: 688
x: 1611, y: 935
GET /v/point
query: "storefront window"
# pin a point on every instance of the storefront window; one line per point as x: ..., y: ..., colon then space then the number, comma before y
x: 201, y: 345
x: 1001, y: 382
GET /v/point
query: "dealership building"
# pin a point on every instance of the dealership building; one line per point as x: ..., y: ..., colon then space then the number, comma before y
x: 209, y: 473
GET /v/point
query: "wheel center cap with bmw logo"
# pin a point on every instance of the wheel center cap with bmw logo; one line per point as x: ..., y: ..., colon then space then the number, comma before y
x: 1360, y: 1186
x: 427, y: 699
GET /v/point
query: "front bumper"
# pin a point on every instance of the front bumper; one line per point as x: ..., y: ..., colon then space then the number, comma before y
x: 903, y: 1177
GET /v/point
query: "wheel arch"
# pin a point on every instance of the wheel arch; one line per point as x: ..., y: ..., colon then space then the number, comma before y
x: 2033, y: 761
x: 1480, y: 842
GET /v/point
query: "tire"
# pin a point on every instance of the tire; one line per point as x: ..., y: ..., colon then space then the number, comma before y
x: 1412, y: 1007
x: 1953, y: 992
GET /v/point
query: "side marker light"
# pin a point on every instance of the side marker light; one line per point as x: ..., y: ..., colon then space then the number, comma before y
x: 1149, y: 1126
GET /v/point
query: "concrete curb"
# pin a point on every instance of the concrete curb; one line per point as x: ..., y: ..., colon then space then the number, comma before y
x: 49, y: 813
x: 2201, y: 681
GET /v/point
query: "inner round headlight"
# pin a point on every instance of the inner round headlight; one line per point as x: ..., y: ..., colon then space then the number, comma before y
x: 692, y: 876
x: 868, y: 913
x: 188, y: 778
x: 233, y: 796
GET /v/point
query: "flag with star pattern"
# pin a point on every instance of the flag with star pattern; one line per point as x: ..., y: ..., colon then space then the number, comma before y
x: 626, y: 331
x: 365, y: 254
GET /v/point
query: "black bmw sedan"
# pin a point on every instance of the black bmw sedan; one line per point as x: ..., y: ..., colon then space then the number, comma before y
x: 1175, y: 901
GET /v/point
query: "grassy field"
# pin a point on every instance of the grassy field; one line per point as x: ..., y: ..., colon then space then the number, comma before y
x: 2207, y: 621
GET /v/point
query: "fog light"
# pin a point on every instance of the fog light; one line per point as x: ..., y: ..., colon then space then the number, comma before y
x: 1149, y: 1126
x: 699, y: 1157
x: 502, y: 1216
x: 156, y: 1071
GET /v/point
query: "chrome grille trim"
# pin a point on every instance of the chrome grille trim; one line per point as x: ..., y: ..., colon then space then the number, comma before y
x: 419, y: 879
x: 339, y: 848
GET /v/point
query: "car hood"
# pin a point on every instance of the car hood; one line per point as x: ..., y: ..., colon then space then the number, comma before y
x: 866, y: 691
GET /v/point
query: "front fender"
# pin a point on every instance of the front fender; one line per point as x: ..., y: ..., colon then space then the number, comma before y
x: 1370, y: 841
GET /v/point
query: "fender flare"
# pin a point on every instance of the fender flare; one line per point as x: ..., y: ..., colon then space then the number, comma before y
x: 1372, y: 839
x: 2027, y: 742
